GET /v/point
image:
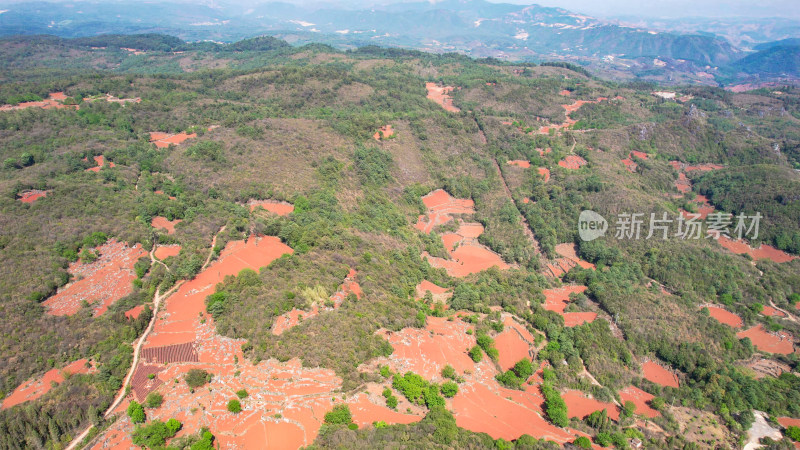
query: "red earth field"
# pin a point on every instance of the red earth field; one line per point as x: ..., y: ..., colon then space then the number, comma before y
x: 543, y: 151
x: 572, y: 162
x: 557, y: 299
x: 439, y: 94
x: 629, y: 164
x: 565, y: 93
x: 771, y: 312
x: 165, y: 251
x: 100, y: 283
x: 31, y: 196
x: 513, y: 343
x: 771, y: 342
x: 481, y: 405
x: 641, y: 399
x: 580, y: 405
x: 287, y: 403
x: 467, y: 256
x: 762, y: 252
x: 438, y: 293
x: 383, y: 132
x: 162, y: 222
x: 275, y: 206
x: 659, y: 375
x: 134, y: 312
x: 568, y: 110
x: 33, y: 389
x: 726, y: 317
x: 164, y: 140
x: 519, y: 163
x: 545, y: 173
x: 54, y: 101
x: 100, y: 161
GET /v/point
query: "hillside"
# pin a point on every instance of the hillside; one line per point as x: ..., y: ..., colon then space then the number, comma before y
x: 260, y: 245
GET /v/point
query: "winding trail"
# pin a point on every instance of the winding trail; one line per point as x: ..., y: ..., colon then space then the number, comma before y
x: 787, y: 314
x: 157, y: 299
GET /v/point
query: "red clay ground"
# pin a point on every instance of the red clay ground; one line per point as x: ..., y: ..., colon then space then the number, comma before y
x: 771, y: 342
x: 438, y: 293
x: 641, y: 399
x: 659, y: 375
x: 726, y: 317
x: 762, y: 252
x: 162, y: 222
x: 384, y: 132
x: 557, y: 299
x: 771, y: 312
x: 54, y: 101
x: 164, y: 140
x: 629, y: 164
x: 573, y: 162
x: 292, y: 318
x: 287, y: 402
x: 31, y: 196
x: 580, y: 405
x: 467, y: 256
x: 519, y: 163
x: 439, y: 94
x: 33, y: 389
x: 103, y: 282
x: 568, y: 110
x: 165, y: 251
x: 543, y: 151
x: 513, y: 343
x: 481, y: 405
x: 545, y: 173
x: 134, y: 312
x: 366, y: 412
x: 275, y: 206
x: 100, y: 161
x: 565, y: 93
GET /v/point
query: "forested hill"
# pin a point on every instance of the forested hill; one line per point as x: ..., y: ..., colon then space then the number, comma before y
x: 230, y: 244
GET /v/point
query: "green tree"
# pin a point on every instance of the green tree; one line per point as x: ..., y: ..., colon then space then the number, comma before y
x: 196, y: 378
x: 340, y: 414
x: 449, y: 389
x: 476, y: 354
x: 136, y: 412
x: 153, y: 400
x: 234, y: 406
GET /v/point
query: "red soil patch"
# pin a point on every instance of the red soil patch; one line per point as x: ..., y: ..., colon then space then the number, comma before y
x: 641, y: 399
x: 683, y: 184
x: 293, y: 317
x: 572, y: 162
x: 567, y: 250
x: 526, y: 199
x: 771, y: 342
x: 557, y: 299
x: 468, y: 259
x: 513, y: 343
x: 440, y: 95
x: 165, y: 251
x: 659, y: 375
x: 439, y: 294
x: 440, y: 206
x: 630, y: 165
x: 287, y: 402
x: 579, y: 405
x: 519, y: 163
x: 481, y: 405
x: 274, y: 206
x: 31, y: 196
x: 542, y: 152
x: 640, y: 155
x: 384, y: 132
x: 164, y: 140
x: 565, y: 93
x: 704, y: 167
x: 545, y: 173
x: 134, y: 312
x: 100, y: 161
x: 54, y: 101
x: 726, y: 317
x: 365, y: 412
x: 33, y: 389
x: 787, y: 422
x: 772, y: 312
x: 762, y: 252
x: 162, y: 222
x: 101, y: 283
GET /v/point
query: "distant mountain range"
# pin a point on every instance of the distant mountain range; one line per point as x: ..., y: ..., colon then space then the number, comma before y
x: 473, y: 27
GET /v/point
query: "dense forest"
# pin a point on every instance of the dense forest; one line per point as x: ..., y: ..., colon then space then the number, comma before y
x: 295, y: 124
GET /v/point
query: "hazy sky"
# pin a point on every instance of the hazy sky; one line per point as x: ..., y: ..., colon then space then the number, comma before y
x: 675, y: 8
